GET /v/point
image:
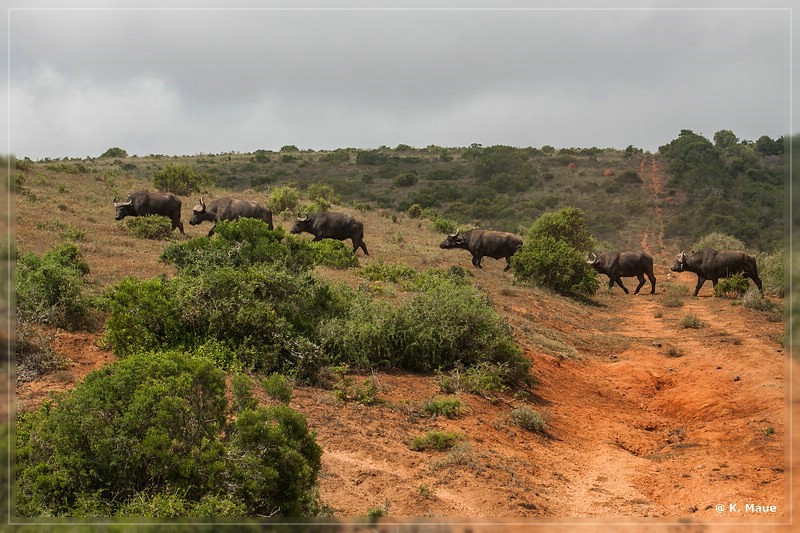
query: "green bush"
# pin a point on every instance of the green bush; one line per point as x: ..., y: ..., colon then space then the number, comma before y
x: 144, y: 316
x: 155, y: 227
x: 444, y: 225
x: 241, y: 243
x: 450, y: 407
x: 284, y: 199
x: 719, y: 241
x: 242, y: 387
x: 178, y: 178
x: 393, y: 272
x: 261, y: 318
x: 114, y: 152
x: 732, y: 287
x: 406, y: 179
x: 527, y: 418
x: 568, y: 224
x: 333, y: 253
x: 49, y: 288
x: 153, y: 435
x: 556, y: 265
x: 444, y: 324
x: 277, y: 387
x: 483, y: 379
x: 691, y: 321
x: 772, y: 271
x: 436, y: 440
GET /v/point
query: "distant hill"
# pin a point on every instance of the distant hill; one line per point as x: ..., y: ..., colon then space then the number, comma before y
x: 690, y: 188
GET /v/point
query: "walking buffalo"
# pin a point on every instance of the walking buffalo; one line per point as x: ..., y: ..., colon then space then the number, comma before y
x: 326, y: 225
x: 618, y: 265
x: 712, y: 264
x: 484, y: 242
x: 229, y: 209
x: 144, y: 203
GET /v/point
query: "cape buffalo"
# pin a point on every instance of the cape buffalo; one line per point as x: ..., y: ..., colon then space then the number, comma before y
x: 143, y: 203
x: 712, y: 264
x: 484, y: 242
x: 618, y: 265
x: 229, y: 209
x: 337, y: 226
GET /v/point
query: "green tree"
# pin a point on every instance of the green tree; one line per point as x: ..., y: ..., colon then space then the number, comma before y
x: 567, y: 224
x: 767, y: 146
x: 114, y: 152
x: 725, y: 139
x: 179, y: 178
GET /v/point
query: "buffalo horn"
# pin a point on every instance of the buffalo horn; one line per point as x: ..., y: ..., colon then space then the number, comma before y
x: 591, y: 260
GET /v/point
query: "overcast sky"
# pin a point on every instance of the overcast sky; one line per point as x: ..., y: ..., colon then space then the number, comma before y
x: 187, y: 81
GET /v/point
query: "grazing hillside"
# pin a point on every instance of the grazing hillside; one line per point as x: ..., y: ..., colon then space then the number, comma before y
x: 653, y: 407
x: 732, y: 186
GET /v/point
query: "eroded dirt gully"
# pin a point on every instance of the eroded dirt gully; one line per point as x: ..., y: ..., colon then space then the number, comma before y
x: 678, y: 421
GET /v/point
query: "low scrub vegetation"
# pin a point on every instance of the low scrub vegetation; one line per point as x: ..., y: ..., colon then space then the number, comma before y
x: 248, y: 297
x: 450, y: 407
x: 436, y: 440
x: 151, y: 435
x: 155, y: 227
x: 49, y: 289
x: 528, y: 419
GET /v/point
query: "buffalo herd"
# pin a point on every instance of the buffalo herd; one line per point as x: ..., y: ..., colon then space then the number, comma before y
x: 708, y: 264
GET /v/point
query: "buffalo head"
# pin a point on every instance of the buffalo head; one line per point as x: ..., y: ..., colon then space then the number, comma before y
x: 302, y: 225
x: 197, y: 213
x: 456, y: 240
x: 124, y: 209
x: 680, y: 262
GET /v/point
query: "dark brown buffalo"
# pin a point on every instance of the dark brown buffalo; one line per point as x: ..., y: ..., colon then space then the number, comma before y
x: 229, y: 209
x: 485, y: 243
x: 339, y: 226
x: 712, y: 264
x: 618, y: 265
x: 144, y: 203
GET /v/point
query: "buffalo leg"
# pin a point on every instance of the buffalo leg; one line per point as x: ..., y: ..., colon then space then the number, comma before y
x: 476, y: 260
x: 618, y: 281
x: 641, y: 283
x: 364, y: 247
x: 652, y: 283
x: 508, y: 264
x: 758, y: 283
x: 700, y: 282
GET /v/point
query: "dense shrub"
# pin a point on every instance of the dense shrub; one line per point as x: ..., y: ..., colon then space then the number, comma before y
x: 732, y: 287
x: 548, y: 262
x: 264, y: 315
x: 151, y: 435
x: 277, y: 387
x: 333, y: 253
x: 772, y: 271
x: 155, y: 227
x: 178, y: 178
x: 445, y: 324
x: 719, y: 241
x: 242, y: 243
x: 527, y: 418
x: 284, y: 199
x: 49, y: 288
x: 567, y: 224
x: 393, y: 272
x: 114, y: 152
